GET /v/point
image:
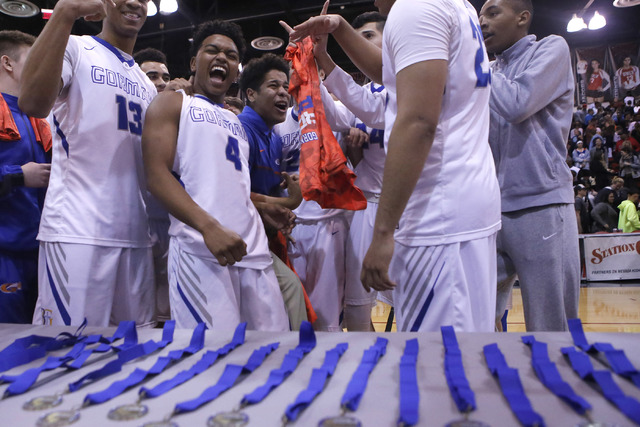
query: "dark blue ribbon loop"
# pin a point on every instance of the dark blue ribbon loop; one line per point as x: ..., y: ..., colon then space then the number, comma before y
x: 511, y: 387
x: 409, y: 392
x: 603, y: 379
x: 207, y: 360
x: 307, y: 342
x: 358, y: 383
x: 232, y: 374
x: 317, y: 382
x: 616, y: 359
x: 457, y: 381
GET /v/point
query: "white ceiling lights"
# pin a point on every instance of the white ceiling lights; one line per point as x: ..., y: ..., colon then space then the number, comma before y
x: 167, y: 7
x: 626, y: 3
x: 152, y: 10
x: 597, y: 21
x: 576, y: 24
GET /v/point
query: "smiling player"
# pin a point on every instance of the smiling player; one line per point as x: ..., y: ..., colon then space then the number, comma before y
x: 220, y: 269
x: 95, y: 255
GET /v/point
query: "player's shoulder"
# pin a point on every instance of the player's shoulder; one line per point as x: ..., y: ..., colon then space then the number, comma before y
x: 553, y: 42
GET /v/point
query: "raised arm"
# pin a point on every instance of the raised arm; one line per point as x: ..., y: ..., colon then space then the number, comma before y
x: 409, y: 145
x: 545, y: 79
x: 159, y: 142
x: 41, y: 76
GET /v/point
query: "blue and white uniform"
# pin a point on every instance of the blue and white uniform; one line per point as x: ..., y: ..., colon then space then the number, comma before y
x: 212, y: 161
x: 444, y: 260
x: 94, y: 215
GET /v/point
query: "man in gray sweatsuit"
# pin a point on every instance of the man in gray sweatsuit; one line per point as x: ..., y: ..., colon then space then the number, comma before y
x: 531, y: 111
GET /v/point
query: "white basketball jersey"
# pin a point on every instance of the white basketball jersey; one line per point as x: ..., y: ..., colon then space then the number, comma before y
x: 457, y: 196
x: 96, y: 188
x: 367, y: 103
x: 212, y: 163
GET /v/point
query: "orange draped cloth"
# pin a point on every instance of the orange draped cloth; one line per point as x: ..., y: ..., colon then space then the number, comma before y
x: 324, y: 174
x: 9, y: 130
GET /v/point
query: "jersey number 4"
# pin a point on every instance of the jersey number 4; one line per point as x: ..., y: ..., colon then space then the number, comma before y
x: 135, y: 125
x: 483, y: 78
x: 233, y: 153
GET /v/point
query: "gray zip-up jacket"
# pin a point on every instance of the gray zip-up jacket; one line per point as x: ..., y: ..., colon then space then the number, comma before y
x: 531, y: 110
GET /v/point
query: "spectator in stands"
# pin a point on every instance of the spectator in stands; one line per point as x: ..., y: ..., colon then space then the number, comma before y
x: 581, y: 156
x: 605, y: 217
x: 628, y: 221
x: 629, y: 166
x: 582, y: 207
x: 598, y: 169
x: 597, y: 147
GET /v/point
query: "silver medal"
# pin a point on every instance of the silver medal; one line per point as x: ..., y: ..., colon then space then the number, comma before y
x: 340, y: 421
x: 160, y: 424
x: 228, y: 419
x: 58, y: 419
x: 132, y: 411
x: 42, y: 402
x: 466, y: 423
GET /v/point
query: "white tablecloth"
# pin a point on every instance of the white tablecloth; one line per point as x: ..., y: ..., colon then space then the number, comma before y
x: 379, y: 405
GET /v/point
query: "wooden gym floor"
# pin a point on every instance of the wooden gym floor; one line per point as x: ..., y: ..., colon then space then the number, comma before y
x: 604, y: 307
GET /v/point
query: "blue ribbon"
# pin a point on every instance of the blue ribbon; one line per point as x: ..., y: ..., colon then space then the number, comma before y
x: 317, y: 382
x: 207, y: 360
x: 358, y: 383
x: 457, y: 381
x: 27, y: 349
x: 548, y: 374
x: 511, y: 387
x: 582, y: 365
x: 307, y: 342
x: 139, y: 375
x: 228, y: 379
x: 409, y: 392
x: 72, y: 360
x: 137, y: 351
x: 616, y: 359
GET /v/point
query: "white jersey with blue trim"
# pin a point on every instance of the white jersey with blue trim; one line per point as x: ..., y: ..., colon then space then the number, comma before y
x: 97, y: 188
x: 367, y: 104
x: 457, y: 197
x: 212, y: 162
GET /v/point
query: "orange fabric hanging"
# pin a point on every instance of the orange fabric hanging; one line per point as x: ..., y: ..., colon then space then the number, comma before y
x: 9, y: 130
x: 324, y: 174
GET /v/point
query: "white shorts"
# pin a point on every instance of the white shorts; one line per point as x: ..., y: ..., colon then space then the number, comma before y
x: 159, y: 229
x: 452, y: 284
x: 318, y: 257
x: 202, y: 290
x: 358, y: 242
x: 105, y: 285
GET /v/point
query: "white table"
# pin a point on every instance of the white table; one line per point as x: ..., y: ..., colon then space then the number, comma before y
x: 379, y: 405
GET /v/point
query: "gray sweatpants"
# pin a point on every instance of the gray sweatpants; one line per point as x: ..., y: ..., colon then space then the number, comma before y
x: 540, y: 245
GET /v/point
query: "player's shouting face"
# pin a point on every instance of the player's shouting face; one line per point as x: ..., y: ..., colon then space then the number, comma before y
x: 271, y: 99
x: 215, y: 67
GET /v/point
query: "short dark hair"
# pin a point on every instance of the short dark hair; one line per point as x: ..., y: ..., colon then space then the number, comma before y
x: 253, y: 73
x: 12, y: 40
x: 218, y: 26
x: 522, y: 5
x: 150, y: 54
x: 234, y: 102
x: 364, y: 18
x: 633, y: 191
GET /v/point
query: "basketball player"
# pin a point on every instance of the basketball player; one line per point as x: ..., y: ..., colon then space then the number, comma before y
x: 442, y: 259
x: 531, y: 113
x: 95, y: 256
x: 154, y: 64
x: 367, y: 103
x: 220, y: 270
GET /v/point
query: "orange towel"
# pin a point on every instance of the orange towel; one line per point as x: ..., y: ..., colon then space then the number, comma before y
x: 324, y: 174
x: 9, y: 130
